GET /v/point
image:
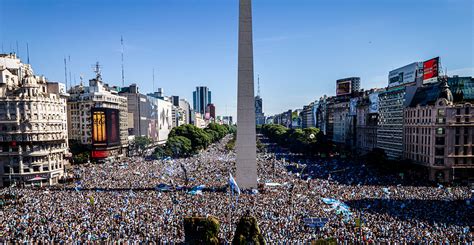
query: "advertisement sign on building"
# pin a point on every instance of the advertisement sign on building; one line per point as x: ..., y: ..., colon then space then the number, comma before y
x: 353, y: 106
x: 431, y: 70
x: 403, y: 75
x: 343, y: 87
x: 105, y: 127
x: 374, y: 103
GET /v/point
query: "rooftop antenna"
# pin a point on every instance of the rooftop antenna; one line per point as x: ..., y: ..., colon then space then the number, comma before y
x: 28, y: 53
x: 17, y: 50
x: 258, y: 85
x: 80, y: 78
x: 65, y: 71
x: 153, y: 80
x: 97, y: 71
x: 69, y: 61
x: 123, y: 77
x: 2, y: 49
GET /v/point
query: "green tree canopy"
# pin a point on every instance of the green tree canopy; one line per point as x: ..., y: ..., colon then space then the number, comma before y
x: 179, y: 146
x: 248, y: 232
x: 199, y: 138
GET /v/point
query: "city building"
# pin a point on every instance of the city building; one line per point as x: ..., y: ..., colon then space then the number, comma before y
x: 201, y: 98
x: 199, y: 120
x: 33, y: 121
x: 185, y: 117
x: 284, y: 119
x: 308, y: 116
x: 439, y: 130
x: 164, y: 107
x: 347, y: 86
x: 402, y: 84
x: 98, y: 119
x: 269, y: 120
x: 259, y: 115
x: 142, y: 114
x: 210, y: 112
x: 227, y: 120
x: 325, y: 115
x: 296, y: 119
x: 341, y: 110
x: 366, y: 121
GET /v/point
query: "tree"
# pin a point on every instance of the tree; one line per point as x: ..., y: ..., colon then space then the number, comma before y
x: 201, y: 230
x: 214, y: 135
x: 199, y: 138
x: 141, y: 142
x: 248, y: 232
x: 160, y: 152
x: 179, y: 146
x: 82, y: 157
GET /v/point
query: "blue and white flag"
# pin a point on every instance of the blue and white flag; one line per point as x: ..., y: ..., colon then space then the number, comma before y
x: 233, y: 185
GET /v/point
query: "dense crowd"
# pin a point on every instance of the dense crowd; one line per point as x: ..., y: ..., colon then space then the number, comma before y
x: 116, y: 201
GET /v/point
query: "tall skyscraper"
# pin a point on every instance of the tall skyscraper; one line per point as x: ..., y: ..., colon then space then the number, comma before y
x: 246, y: 135
x: 201, y: 98
x: 259, y: 115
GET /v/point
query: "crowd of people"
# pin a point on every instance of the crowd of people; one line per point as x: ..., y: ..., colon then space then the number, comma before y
x: 116, y: 201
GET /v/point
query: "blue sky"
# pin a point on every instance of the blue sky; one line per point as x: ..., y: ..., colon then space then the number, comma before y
x: 301, y: 47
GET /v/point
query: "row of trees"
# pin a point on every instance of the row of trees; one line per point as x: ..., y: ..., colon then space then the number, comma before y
x: 188, y: 139
x: 306, y: 141
x: 205, y: 230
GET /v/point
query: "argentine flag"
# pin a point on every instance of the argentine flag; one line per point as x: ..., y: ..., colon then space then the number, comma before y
x: 233, y: 185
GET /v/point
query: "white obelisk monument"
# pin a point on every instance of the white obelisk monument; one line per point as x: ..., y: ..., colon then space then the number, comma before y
x: 246, y: 136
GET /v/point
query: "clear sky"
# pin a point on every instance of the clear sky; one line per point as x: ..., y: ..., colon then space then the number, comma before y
x: 301, y: 47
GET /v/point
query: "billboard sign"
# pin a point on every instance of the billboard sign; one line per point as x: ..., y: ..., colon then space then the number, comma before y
x: 315, y: 222
x: 374, y: 103
x: 403, y: 75
x: 343, y: 87
x: 105, y: 127
x: 99, y: 154
x: 431, y: 70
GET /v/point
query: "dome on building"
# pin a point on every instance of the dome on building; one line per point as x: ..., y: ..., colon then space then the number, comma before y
x: 29, y: 79
x: 445, y: 92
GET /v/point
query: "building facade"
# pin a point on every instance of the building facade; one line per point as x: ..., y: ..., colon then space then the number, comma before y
x: 33, y: 121
x: 201, y: 98
x: 366, y: 125
x: 98, y: 119
x: 341, y: 122
x: 439, y: 133
x: 259, y: 115
x: 308, y: 116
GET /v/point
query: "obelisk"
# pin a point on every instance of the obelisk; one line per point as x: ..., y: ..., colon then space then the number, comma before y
x: 246, y: 136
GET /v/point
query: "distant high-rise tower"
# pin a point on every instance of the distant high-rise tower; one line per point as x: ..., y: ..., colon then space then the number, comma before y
x: 259, y: 115
x: 246, y: 135
x: 201, y: 98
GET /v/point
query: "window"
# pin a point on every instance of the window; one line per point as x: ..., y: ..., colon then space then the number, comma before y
x: 466, y: 111
x: 456, y: 139
x: 439, y: 161
x: 439, y: 140
x: 440, y: 131
x: 458, y: 111
x: 441, y: 112
x: 439, y: 151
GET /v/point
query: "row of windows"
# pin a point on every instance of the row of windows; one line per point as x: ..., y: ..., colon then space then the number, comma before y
x: 34, y: 169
